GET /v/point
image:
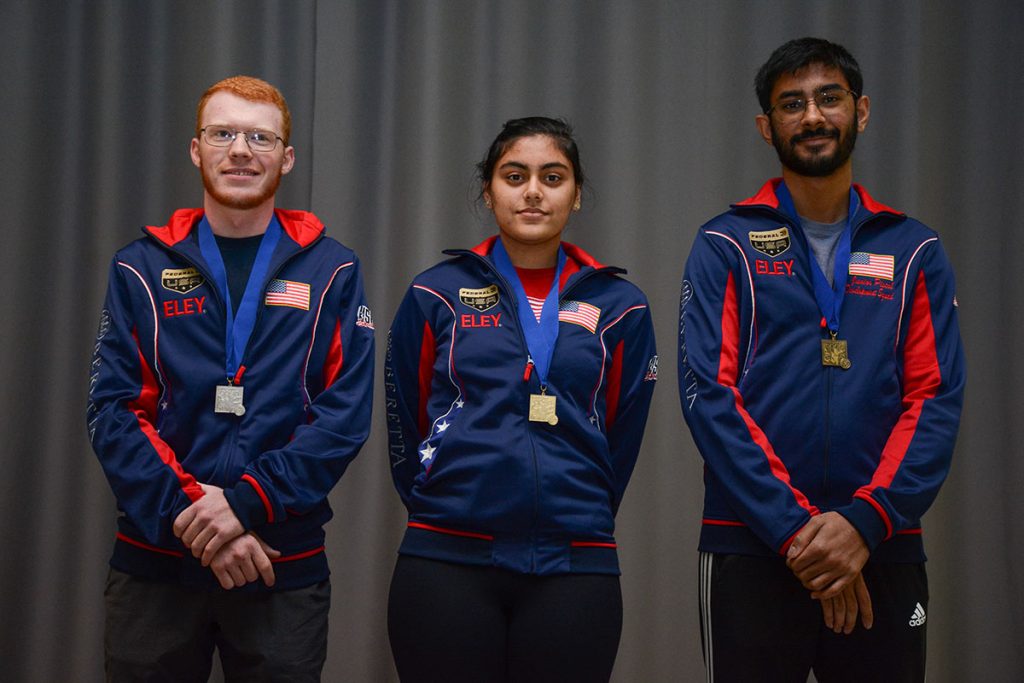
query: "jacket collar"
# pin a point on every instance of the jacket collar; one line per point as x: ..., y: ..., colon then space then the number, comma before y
x: 301, y: 226
x: 571, y: 250
x: 767, y: 197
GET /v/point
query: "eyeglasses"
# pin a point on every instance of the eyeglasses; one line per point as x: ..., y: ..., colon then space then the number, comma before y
x: 827, y: 101
x: 258, y: 140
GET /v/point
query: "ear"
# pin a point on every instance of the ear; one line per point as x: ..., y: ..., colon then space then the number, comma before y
x: 288, y: 162
x: 764, y: 127
x: 488, y: 202
x: 863, y: 112
x: 579, y: 197
x: 193, y: 151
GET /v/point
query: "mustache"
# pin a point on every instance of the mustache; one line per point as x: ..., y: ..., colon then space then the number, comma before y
x: 817, y: 133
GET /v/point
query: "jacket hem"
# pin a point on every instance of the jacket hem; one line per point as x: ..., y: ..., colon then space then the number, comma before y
x: 567, y: 557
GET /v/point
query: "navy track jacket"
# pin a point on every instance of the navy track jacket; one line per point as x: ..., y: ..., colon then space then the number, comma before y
x: 307, y: 376
x: 482, y: 483
x: 784, y: 437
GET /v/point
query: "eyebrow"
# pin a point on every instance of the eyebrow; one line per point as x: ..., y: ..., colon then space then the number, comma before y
x: 519, y: 164
x: 820, y: 88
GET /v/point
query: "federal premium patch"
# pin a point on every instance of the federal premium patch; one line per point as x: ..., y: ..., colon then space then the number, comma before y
x: 480, y: 299
x: 181, y: 280
x: 770, y: 242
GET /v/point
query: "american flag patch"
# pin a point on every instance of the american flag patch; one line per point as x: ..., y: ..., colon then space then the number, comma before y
x: 288, y: 293
x: 579, y: 313
x: 871, y: 265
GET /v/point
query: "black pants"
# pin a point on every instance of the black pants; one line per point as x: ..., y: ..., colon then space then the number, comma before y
x: 451, y: 622
x: 165, y: 632
x: 759, y: 624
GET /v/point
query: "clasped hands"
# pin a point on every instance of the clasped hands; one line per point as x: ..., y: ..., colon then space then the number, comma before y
x: 827, y: 556
x: 210, y: 529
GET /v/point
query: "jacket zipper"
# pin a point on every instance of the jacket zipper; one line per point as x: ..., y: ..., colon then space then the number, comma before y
x: 259, y: 315
x: 825, y: 483
x: 528, y: 370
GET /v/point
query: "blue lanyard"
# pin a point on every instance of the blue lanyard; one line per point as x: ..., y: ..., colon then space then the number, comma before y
x: 540, y: 335
x: 829, y: 297
x: 238, y: 327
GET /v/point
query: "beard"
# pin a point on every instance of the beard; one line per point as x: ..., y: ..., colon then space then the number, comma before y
x: 818, y: 165
x: 242, y: 202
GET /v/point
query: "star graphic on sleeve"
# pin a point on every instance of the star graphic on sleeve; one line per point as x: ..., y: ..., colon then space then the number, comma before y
x: 460, y: 403
x: 443, y: 426
x: 427, y: 453
x: 593, y: 419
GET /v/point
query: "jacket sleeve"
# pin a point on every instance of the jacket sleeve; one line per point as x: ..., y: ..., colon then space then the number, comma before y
x: 147, y: 480
x: 917, y: 454
x: 632, y: 376
x: 713, y: 337
x: 298, y: 476
x: 408, y: 372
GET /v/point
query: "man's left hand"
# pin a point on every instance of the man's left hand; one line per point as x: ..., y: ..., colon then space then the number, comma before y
x: 207, y: 524
x: 827, y: 555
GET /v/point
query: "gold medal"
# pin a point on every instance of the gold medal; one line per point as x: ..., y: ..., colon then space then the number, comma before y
x: 833, y: 353
x: 542, y: 409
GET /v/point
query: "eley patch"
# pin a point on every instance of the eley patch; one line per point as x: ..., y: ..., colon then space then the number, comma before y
x: 481, y: 299
x: 770, y: 242
x: 181, y: 280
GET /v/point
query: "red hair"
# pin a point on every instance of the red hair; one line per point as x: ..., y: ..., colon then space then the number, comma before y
x: 254, y: 90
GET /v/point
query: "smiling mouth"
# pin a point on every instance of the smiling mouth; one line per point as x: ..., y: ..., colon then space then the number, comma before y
x: 815, y: 136
x: 240, y: 172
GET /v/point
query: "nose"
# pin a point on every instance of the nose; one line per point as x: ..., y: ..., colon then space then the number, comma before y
x: 239, y: 146
x: 533, y: 190
x: 812, y: 118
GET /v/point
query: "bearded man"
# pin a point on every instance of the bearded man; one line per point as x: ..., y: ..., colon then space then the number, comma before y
x: 821, y: 375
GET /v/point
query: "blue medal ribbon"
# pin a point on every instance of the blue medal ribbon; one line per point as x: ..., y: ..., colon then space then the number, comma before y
x: 829, y: 297
x: 239, y: 326
x: 540, y: 336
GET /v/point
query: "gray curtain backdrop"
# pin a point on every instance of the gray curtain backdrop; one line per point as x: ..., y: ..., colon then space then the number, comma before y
x: 393, y: 103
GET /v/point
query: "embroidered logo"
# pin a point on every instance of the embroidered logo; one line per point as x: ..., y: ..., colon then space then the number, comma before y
x: 104, y: 326
x: 652, y: 370
x: 191, y: 305
x: 288, y: 293
x: 364, y: 317
x: 872, y: 265
x: 579, y: 313
x: 770, y: 242
x: 480, y: 299
x: 918, y: 617
x: 181, y: 280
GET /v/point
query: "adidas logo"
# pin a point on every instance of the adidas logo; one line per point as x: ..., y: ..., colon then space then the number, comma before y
x: 918, y: 617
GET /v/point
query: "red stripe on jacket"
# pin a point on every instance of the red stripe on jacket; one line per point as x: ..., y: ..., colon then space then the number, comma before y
x: 921, y: 381
x: 144, y: 408
x: 335, y: 357
x: 428, y: 354
x: 262, y: 494
x: 728, y: 375
x: 614, y: 390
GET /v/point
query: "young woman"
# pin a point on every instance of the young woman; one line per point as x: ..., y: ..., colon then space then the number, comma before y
x: 519, y: 374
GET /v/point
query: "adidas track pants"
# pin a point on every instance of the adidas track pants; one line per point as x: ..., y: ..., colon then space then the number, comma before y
x: 759, y: 624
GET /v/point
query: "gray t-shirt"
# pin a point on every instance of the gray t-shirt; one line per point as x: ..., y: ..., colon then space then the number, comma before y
x: 823, y: 239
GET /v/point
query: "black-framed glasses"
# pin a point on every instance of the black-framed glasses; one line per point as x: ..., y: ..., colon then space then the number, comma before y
x: 827, y: 100
x: 222, y: 136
